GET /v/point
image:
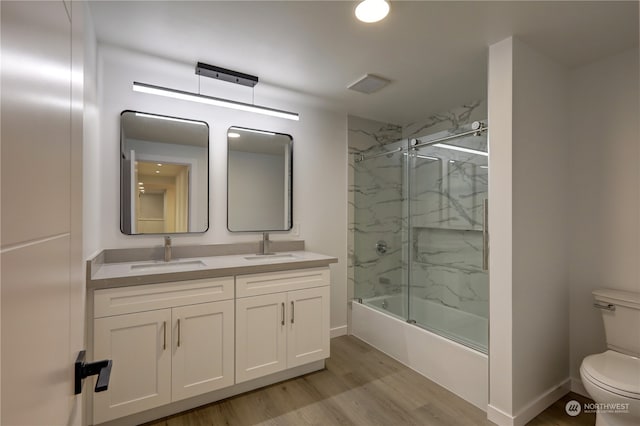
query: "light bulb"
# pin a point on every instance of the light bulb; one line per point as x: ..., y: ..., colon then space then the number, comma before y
x: 372, y: 10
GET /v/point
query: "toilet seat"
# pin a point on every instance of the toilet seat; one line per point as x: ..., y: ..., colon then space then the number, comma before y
x: 614, y: 372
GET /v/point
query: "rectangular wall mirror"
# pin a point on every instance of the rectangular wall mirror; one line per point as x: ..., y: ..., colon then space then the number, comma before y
x: 164, y: 174
x: 259, y: 180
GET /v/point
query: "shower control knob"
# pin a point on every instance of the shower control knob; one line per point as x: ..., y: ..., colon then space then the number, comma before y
x: 381, y: 247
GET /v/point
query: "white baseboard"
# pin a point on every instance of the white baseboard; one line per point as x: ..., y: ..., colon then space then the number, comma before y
x: 498, y: 416
x: 532, y: 409
x: 338, y: 331
x: 578, y: 387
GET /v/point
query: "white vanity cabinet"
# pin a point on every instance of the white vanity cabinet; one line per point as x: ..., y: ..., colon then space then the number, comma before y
x: 282, y: 321
x: 167, y: 341
x: 172, y: 343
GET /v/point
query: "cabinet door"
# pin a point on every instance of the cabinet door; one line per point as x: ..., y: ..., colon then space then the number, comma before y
x: 260, y: 336
x: 140, y: 347
x: 203, y: 341
x: 308, y: 326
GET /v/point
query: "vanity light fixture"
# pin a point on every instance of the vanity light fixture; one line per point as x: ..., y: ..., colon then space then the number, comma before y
x: 459, y: 148
x: 372, y: 10
x: 161, y: 117
x: 210, y: 100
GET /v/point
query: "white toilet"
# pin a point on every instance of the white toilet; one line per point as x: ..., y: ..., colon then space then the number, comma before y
x: 612, y: 378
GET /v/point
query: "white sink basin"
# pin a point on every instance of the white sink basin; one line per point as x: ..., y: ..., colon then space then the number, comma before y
x: 175, y: 266
x: 266, y: 258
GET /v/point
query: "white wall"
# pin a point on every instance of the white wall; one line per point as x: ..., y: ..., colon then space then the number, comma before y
x: 540, y: 188
x: 92, y: 217
x: 500, y: 110
x: 320, y: 156
x: 528, y: 139
x: 605, y: 205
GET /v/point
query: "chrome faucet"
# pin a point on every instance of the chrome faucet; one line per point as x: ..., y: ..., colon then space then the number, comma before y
x: 266, y: 243
x: 167, y: 248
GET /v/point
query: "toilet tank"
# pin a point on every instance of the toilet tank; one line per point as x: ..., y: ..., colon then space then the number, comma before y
x: 621, y: 315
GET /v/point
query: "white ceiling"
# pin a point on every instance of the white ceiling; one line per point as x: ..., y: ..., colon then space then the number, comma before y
x: 434, y: 52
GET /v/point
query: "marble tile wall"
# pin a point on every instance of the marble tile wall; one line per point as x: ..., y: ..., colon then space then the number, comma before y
x: 446, y: 188
x: 450, y: 120
x: 375, y: 209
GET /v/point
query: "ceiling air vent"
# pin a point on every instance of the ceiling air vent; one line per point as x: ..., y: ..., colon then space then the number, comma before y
x: 369, y: 84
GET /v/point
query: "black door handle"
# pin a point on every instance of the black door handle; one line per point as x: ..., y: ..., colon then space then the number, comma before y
x: 83, y: 370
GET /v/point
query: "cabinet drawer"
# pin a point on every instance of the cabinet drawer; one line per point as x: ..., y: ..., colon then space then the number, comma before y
x: 274, y: 282
x: 124, y: 300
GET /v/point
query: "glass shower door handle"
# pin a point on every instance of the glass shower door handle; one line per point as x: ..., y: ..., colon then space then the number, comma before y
x: 485, y: 235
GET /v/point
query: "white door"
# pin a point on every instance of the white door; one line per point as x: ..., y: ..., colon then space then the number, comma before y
x: 308, y: 326
x: 260, y: 336
x: 203, y: 341
x: 140, y: 346
x: 41, y: 208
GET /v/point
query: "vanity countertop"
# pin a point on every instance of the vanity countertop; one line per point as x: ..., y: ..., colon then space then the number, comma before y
x: 120, y: 274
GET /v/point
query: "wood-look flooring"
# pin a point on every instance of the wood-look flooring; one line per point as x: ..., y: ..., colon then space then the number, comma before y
x: 360, y: 386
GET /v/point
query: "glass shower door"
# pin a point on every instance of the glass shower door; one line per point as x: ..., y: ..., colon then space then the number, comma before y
x: 380, y: 271
x: 449, y: 287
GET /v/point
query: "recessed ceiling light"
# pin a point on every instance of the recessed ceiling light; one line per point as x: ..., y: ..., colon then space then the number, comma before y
x: 157, y: 171
x: 372, y: 10
x: 233, y: 135
x: 159, y: 165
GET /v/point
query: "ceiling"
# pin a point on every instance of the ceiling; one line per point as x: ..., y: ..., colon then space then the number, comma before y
x: 150, y: 169
x: 435, y: 53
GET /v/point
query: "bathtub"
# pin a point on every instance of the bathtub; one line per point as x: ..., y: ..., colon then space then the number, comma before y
x: 454, y: 324
x: 380, y: 322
